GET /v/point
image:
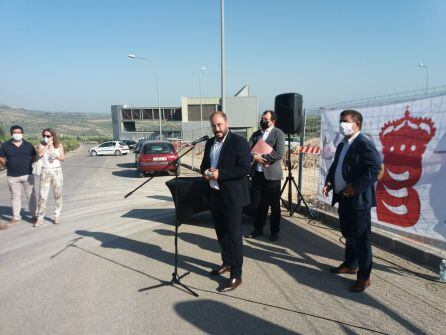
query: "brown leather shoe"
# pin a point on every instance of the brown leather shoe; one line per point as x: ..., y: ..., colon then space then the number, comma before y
x: 360, y: 285
x: 220, y: 270
x: 231, y: 284
x: 3, y: 226
x: 14, y: 221
x: 341, y: 269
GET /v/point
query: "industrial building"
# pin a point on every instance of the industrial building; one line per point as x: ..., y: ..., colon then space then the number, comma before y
x: 188, y: 121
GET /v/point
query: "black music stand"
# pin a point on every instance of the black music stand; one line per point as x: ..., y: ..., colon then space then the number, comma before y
x: 176, y: 279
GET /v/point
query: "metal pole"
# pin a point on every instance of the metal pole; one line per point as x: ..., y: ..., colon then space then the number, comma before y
x: 201, y: 105
x: 159, y: 106
x: 427, y: 80
x: 222, y: 3
x: 301, y: 155
x: 157, y: 89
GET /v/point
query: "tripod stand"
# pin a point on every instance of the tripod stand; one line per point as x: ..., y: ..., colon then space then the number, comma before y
x: 290, y: 182
x: 176, y: 279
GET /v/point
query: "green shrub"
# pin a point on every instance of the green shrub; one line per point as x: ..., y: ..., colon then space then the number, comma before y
x: 70, y: 143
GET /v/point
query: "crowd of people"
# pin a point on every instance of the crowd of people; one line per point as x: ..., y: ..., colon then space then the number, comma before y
x: 28, y: 167
x: 239, y: 172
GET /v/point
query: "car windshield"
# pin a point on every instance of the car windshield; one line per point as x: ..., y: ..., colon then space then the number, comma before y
x: 122, y: 143
x: 158, y: 148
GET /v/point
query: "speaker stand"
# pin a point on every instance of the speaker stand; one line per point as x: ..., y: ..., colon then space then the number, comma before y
x: 290, y: 182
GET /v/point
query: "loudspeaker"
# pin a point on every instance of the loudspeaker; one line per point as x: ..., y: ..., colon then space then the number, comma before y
x: 288, y: 107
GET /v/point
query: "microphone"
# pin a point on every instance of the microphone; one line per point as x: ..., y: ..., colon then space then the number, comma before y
x: 201, y: 139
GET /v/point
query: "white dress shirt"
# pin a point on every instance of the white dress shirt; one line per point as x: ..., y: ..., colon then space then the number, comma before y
x: 266, y: 132
x: 215, y: 155
x: 339, y: 181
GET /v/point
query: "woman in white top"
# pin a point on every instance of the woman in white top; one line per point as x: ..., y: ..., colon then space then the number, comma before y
x: 52, y: 153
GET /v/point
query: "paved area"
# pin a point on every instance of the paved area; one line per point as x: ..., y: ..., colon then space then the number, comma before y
x: 88, y: 275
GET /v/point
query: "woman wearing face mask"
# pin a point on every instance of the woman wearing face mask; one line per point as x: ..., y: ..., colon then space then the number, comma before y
x: 52, y: 153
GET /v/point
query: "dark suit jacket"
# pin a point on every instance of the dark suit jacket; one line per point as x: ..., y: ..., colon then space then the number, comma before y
x: 360, y: 168
x: 276, y: 139
x: 233, y: 167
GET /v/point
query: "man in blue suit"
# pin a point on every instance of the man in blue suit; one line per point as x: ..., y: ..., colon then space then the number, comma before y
x: 352, y: 178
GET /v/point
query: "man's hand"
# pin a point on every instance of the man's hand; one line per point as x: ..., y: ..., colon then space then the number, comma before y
x: 326, y: 190
x: 214, y: 174
x: 210, y: 174
x: 205, y: 174
x: 349, y: 191
x: 2, y: 161
x: 259, y: 159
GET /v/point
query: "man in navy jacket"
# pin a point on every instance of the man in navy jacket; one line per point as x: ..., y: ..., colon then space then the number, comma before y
x: 352, y: 177
x: 226, y: 163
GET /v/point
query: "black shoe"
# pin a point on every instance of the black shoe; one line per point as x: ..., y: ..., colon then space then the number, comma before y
x: 274, y: 237
x: 254, y: 234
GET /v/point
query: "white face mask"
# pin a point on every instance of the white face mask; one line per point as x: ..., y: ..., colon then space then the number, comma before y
x: 46, y: 140
x: 346, y: 128
x: 17, y: 137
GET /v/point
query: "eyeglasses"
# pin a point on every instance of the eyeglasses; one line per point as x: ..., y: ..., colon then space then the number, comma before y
x: 47, y: 136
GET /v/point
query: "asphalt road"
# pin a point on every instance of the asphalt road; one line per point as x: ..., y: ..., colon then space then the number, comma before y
x: 85, y: 275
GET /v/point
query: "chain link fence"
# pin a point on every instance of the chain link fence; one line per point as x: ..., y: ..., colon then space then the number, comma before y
x: 310, y: 152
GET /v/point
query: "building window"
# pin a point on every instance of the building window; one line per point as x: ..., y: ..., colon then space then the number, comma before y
x: 136, y: 114
x: 147, y: 114
x: 194, y: 112
x: 126, y: 114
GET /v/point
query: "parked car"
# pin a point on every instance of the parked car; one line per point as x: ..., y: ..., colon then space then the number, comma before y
x: 116, y: 148
x: 138, y: 149
x: 130, y: 143
x: 155, y: 156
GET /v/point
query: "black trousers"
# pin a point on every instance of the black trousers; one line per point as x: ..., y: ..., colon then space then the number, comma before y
x: 228, y: 226
x: 266, y: 193
x: 356, y: 229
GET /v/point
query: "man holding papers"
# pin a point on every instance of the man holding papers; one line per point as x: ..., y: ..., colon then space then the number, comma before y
x: 267, y: 150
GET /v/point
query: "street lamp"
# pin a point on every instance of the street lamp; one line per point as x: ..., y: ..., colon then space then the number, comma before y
x: 427, y: 75
x: 222, y: 42
x: 157, y: 89
x: 201, y: 102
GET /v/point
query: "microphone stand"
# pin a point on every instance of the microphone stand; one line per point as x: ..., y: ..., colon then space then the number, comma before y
x: 176, y: 279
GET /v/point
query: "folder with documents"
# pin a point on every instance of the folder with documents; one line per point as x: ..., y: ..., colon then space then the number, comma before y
x: 261, y: 148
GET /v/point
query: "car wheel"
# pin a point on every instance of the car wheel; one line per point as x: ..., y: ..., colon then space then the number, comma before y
x: 118, y: 153
x: 93, y: 153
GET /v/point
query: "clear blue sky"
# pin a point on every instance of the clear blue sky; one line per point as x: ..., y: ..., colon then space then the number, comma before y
x: 72, y: 55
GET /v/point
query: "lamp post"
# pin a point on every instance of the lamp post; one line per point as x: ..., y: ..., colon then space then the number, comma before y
x: 201, y: 102
x: 157, y: 89
x: 222, y: 32
x: 427, y: 75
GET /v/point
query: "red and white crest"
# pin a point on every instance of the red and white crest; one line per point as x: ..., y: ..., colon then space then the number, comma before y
x: 404, y: 142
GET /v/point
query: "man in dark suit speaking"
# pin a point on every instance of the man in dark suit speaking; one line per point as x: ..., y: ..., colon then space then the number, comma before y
x: 352, y: 177
x: 225, y: 165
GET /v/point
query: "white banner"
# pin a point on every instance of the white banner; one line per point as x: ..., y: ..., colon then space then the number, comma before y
x: 411, y: 138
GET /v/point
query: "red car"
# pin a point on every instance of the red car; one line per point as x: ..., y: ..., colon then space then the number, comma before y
x: 155, y: 156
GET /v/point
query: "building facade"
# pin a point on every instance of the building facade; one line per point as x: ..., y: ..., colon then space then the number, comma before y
x: 188, y: 121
